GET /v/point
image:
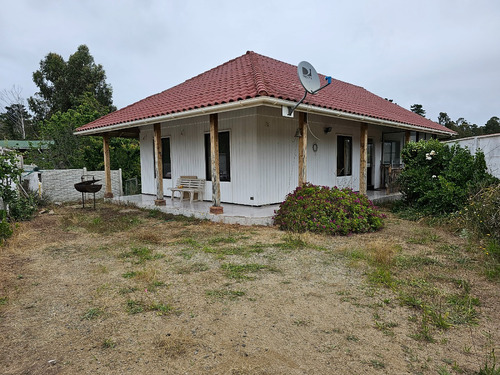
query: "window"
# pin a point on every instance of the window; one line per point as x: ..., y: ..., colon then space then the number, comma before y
x: 392, y: 151
x: 224, y: 157
x: 344, y: 155
x: 166, y: 161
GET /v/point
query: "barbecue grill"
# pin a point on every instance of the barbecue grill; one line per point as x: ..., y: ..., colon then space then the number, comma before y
x: 88, y: 186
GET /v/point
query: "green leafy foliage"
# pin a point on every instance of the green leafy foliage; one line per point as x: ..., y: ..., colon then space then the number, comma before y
x: 62, y: 84
x: 5, y: 227
x: 328, y: 210
x: 481, y: 216
x: 9, y: 174
x: 23, y: 208
x: 438, y: 178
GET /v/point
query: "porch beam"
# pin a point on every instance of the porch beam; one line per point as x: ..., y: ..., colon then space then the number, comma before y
x: 303, y: 148
x: 108, y: 192
x: 160, y: 200
x: 363, y: 155
x: 214, y: 157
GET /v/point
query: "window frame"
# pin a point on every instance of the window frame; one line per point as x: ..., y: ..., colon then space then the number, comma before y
x: 164, y: 156
x: 344, y: 170
x: 224, y: 173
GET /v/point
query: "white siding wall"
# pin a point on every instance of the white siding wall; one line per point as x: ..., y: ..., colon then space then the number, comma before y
x: 187, y: 142
x: 264, y: 154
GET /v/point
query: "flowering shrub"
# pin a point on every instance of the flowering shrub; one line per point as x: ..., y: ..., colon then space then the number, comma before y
x: 438, y: 178
x: 328, y: 210
x: 481, y: 216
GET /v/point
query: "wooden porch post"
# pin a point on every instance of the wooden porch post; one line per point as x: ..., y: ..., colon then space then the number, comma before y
x: 108, y: 193
x: 159, y: 201
x: 302, y: 148
x: 216, y: 208
x: 407, y: 137
x: 363, y: 142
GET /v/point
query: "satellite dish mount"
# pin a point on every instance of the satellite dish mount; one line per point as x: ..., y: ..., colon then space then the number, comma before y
x: 310, y: 81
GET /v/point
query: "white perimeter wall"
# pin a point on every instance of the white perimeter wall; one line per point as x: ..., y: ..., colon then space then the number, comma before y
x: 489, y: 144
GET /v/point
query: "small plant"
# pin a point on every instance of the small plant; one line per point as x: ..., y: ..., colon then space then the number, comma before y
x: 134, y: 307
x: 3, y: 300
x: 5, y: 227
x: 160, y: 308
x: 193, y: 268
x: 239, y: 271
x: 327, y: 210
x: 129, y: 274
x: 108, y: 343
x: 92, y: 313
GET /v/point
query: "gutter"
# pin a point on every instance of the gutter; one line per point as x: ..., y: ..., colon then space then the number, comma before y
x: 254, y: 102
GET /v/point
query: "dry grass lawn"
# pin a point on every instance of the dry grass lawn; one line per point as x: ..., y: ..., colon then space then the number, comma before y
x: 126, y: 291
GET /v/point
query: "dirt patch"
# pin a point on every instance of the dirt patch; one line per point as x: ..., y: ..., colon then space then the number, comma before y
x: 122, y: 291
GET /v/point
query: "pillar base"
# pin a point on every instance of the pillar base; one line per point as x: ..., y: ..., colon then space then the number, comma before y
x: 108, y: 195
x: 217, y: 210
x: 160, y: 202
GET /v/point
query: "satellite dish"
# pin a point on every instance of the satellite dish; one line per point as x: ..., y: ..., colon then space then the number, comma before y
x: 310, y: 81
x: 308, y: 77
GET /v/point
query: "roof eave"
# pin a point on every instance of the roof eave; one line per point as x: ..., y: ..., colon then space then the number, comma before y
x: 254, y: 102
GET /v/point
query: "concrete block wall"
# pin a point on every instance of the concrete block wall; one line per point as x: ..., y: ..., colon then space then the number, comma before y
x: 59, y: 184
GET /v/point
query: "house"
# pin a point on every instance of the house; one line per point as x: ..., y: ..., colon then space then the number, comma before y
x: 236, y: 115
x: 489, y: 144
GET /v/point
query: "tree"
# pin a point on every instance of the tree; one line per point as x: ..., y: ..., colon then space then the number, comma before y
x: 418, y: 109
x: 492, y: 126
x: 62, y: 85
x: 16, y: 121
x: 71, y: 151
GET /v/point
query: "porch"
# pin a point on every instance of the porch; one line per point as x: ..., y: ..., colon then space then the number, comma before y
x: 233, y: 213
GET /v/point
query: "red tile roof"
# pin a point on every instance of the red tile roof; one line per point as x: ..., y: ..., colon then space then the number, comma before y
x: 251, y: 76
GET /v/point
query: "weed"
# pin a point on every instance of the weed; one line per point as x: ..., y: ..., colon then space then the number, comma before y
x: 160, y: 308
x: 134, y: 307
x: 4, y: 300
x: 409, y: 262
x: 381, y: 276
x: 424, y: 332
x: 385, y: 327
x: 141, y: 255
x: 129, y: 274
x: 193, y: 268
x: 291, y: 241
x: 190, y: 242
x: 108, y: 344
x: 186, y: 254
x: 239, y: 271
x: 463, y: 309
x: 92, y: 313
x: 352, y: 338
x: 376, y: 364
x: 124, y: 291
x: 442, y: 370
x: 222, y: 239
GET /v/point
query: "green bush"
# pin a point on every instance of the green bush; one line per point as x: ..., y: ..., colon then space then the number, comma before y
x: 327, y: 210
x: 5, y: 227
x: 481, y: 216
x: 437, y: 178
x: 22, y: 208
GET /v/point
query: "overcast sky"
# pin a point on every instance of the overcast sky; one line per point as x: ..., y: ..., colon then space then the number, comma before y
x: 443, y: 54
